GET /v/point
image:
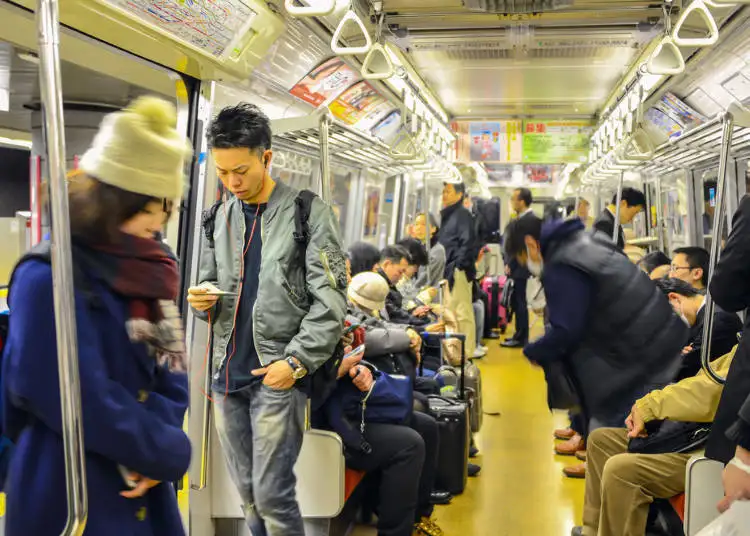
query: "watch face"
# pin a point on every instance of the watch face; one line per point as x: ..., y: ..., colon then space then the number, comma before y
x: 299, y: 373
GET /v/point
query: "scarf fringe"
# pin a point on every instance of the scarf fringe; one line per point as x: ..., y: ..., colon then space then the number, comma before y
x: 165, y: 338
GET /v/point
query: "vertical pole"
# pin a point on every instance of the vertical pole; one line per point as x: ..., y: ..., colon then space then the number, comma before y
x: 50, y: 83
x: 616, y: 230
x: 660, y: 227
x: 426, y: 210
x: 325, y: 163
x: 721, y: 188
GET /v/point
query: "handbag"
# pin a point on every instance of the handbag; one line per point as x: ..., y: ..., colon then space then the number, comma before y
x: 507, y: 297
x: 671, y: 437
x: 561, y: 389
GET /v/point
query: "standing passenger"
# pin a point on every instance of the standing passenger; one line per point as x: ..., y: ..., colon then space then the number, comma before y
x: 521, y: 202
x: 134, y: 390
x: 690, y: 264
x: 632, y: 202
x: 458, y: 238
x: 283, y: 324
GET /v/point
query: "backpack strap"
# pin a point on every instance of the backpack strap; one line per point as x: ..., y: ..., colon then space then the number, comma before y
x: 302, y: 209
x: 208, y: 222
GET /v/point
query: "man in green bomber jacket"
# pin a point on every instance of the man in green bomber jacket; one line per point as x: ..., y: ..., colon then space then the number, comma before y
x: 280, y: 320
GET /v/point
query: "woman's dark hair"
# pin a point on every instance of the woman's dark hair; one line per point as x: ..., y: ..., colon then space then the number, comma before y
x: 417, y: 252
x: 97, y: 210
x: 363, y: 257
x: 242, y: 125
x: 653, y: 260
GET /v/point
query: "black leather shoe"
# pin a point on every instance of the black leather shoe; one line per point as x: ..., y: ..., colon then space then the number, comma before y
x: 512, y: 343
x: 473, y: 452
x: 440, y: 497
x: 474, y: 469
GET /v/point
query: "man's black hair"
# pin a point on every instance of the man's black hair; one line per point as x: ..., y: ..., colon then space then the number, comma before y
x: 241, y: 125
x: 517, y: 231
x: 363, y: 257
x: 669, y: 285
x: 417, y: 252
x: 697, y: 257
x: 460, y: 187
x: 653, y: 260
x: 394, y: 253
x: 524, y: 194
x: 632, y: 197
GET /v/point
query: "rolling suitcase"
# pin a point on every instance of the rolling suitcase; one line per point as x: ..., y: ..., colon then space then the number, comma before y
x: 497, y: 314
x: 472, y: 386
x: 453, y: 429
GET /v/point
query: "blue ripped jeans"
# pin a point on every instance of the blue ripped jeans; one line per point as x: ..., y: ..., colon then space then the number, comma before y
x: 261, y: 431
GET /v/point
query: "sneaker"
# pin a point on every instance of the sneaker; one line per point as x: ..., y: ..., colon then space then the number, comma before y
x: 427, y: 527
x: 479, y: 352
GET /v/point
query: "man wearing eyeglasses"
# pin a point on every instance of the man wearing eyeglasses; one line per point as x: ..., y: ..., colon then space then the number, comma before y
x: 690, y: 264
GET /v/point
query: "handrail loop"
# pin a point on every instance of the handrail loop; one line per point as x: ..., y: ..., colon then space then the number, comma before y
x: 700, y: 8
x: 50, y: 83
x: 659, y: 61
x: 378, y: 48
x: 310, y: 11
x: 344, y: 51
x: 721, y: 179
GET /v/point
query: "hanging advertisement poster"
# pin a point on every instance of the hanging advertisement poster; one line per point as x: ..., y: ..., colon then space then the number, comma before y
x: 325, y: 82
x: 670, y: 118
x: 491, y: 141
x: 556, y: 142
x: 374, y: 115
x: 354, y: 103
x: 372, y: 211
x: 387, y: 130
x: 542, y: 174
x: 500, y: 173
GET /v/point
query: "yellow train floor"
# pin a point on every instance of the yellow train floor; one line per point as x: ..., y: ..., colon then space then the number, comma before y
x: 521, y: 490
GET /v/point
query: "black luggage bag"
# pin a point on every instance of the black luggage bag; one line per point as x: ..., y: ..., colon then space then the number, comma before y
x: 453, y: 423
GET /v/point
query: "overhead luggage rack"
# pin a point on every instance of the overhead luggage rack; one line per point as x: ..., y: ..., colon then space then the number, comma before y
x: 345, y: 144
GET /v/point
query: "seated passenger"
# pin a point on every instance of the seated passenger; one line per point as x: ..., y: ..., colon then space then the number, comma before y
x: 394, y: 263
x: 656, y: 264
x: 407, y: 285
x: 621, y: 486
x: 431, y: 275
x: 609, y: 328
x: 691, y: 265
x: 688, y: 303
x: 363, y: 257
x: 134, y: 388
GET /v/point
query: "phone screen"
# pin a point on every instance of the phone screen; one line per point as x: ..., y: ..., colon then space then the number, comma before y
x: 712, y: 197
x: 357, y: 350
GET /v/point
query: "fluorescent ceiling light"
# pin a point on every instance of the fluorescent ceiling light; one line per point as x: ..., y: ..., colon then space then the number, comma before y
x: 15, y: 143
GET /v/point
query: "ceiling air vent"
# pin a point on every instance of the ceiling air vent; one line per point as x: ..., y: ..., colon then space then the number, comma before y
x: 516, y: 6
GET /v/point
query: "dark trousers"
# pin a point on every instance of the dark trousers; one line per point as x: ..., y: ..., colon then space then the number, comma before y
x: 427, y: 427
x: 521, y: 310
x: 398, y: 454
x: 578, y: 423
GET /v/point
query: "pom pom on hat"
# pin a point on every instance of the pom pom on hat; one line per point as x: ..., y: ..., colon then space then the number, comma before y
x: 139, y: 150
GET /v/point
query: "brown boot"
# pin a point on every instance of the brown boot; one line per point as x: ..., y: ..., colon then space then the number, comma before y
x: 564, y: 433
x: 575, y: 471
x: 571, y: 446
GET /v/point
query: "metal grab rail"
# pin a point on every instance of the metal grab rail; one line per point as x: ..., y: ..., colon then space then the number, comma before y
x: 616, y: 228
x: 721, y: 179
x: 50, y: 82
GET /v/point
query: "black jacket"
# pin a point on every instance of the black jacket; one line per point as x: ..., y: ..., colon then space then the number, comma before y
x: 458, y: 237
x: 394, y: 306
x: 605, y: 223
x: 723, y: 338
x: 633, y: 338
x: 517, y: 271
x: 730, y: 289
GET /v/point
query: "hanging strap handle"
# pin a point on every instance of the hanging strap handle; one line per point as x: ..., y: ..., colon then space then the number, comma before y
x: 325, y: 8
x: 344, y: 51
x: 660, y: 61
x: 699, y: 7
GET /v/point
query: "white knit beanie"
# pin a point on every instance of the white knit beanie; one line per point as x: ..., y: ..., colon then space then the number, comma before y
x: 139, y: 150
x: 368, y: 289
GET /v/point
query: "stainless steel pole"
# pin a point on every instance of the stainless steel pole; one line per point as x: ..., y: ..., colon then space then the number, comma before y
x: 721, y: 180
x: 50, y: 83
x: 426, y: 210
x: 660, y: 227
x: 325, y: 162
x: 616, y: 229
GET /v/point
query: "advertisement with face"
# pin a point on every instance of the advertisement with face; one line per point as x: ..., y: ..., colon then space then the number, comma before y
x: 325, y: 82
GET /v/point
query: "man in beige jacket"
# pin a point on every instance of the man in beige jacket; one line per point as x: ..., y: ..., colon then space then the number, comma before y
x: 620, y: 486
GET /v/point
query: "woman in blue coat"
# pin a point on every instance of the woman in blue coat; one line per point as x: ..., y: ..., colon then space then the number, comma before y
x: 131, y: 352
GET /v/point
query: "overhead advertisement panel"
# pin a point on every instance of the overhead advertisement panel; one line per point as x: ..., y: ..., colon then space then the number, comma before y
x: 325, y: 82
x: 355, y: 103
x: 670, y: 118
x: 216, y: 27
x: 492, y: 141
x: 556, y: 142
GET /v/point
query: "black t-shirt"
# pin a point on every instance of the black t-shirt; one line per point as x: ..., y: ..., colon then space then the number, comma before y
x: 241, y: 355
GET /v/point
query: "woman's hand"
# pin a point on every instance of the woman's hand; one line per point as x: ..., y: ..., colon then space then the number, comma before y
x: 362, y: 378
x: 421, y: 311
x: 143, y: 484
x: 349, y: 362
x: 736, y: 481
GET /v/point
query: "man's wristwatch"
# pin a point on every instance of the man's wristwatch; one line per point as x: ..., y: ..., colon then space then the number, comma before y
x: 298, y: 370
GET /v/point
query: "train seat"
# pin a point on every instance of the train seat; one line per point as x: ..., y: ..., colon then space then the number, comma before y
x: 703, y: 490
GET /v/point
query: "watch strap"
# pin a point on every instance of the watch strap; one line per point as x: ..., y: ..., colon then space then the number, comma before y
x: 739, y: 464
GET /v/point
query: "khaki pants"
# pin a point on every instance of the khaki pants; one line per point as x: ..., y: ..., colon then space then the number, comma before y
x: 620, y: 486
x: 462, y: 306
